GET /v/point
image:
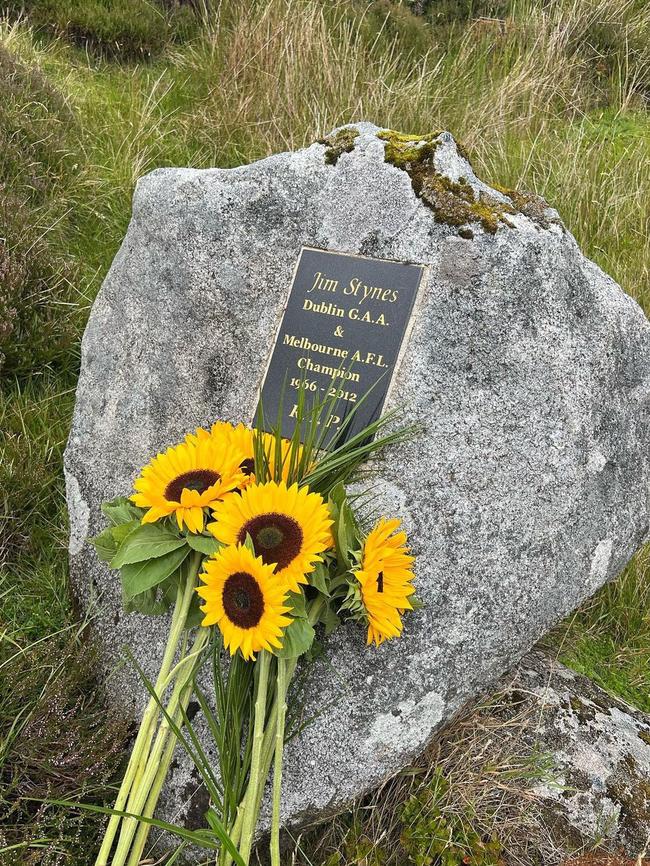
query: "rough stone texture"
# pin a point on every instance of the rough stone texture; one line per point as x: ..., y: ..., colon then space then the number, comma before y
x: 597, y: 751
x: 529, y: 366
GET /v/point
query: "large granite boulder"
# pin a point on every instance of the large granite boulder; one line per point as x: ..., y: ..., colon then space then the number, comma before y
x: 528, y: 366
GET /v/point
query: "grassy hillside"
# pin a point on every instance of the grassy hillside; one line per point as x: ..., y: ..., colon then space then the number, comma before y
x: 548, y: 96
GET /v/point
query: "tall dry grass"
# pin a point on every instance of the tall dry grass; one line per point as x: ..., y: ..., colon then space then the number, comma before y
x: 283, y: 72
x: 553, y: 98
x: 525, y: 95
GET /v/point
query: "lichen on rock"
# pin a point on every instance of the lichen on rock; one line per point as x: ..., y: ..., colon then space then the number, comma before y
x: 589, y: 779
x: 338, y: 142
x: 599, y: 750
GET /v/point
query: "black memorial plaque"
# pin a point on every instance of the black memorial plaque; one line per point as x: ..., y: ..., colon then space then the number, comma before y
x: 341, y: 334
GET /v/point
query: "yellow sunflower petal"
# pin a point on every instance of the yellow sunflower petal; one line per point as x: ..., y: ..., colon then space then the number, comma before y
x: 245, y: 599
x: 289, y: 527
x: 189, y: 477
x: 385, y: 578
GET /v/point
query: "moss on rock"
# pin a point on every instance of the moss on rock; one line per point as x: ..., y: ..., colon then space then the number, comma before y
x: 406, y: 151
x: 531, y: 205
x: 339, y: 142
x: 453, y: 202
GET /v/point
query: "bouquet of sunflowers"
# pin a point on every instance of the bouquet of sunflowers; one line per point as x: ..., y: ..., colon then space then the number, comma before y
x: 252, y: 541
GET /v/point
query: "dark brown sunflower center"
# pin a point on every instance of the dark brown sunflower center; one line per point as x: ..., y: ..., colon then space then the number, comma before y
x: 247, y: 466
x: 380, y: 582
x: 242, y: 599
x: 277, y: 538
x: 195, y: 479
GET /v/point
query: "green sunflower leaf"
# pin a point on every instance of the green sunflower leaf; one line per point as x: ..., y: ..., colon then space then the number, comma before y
x: 330, y: 619
x: 120, y: 510
x: 320, y: 579
x: 123, y: 530
x: 203, y: 543
x: 336, y: 497
x: 145, y: 602
x: 296, y: 639
x: 105, y: 545
x: 195, y: 614
x: 154, y: 601
x: 345, y: 526
x: 169, y: 588
x: 315, y: 651
x: 296, y: 601
x: 140, y: 576
x: 348, y: 529
x: 147, y: 541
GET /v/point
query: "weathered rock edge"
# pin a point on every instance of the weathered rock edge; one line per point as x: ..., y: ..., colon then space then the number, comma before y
x: 529, y: 366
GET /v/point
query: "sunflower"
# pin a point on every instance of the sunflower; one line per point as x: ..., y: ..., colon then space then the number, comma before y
x: 221, y: 431
x: 185, y: 479
x: 385, y: 577
x: 289, y: 527
x: 242, y: 439
x: 245, y: 599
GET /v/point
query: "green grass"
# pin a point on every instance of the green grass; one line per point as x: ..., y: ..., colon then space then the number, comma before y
x: 609, y: 638
x: 552, y: 98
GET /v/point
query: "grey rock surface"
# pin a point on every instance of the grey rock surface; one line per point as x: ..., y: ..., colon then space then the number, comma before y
x: 596, y: 750
x: 528, y: 365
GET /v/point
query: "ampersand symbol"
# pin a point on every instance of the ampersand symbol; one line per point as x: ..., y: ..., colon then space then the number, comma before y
x: 338, y: 331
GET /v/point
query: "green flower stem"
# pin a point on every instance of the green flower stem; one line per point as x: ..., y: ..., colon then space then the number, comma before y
x: 145, y: 733
x: 236, y: 831
x: 148, y: 762
x: 138, y: 801
x: 268, y: 747
x: 252, y: 800
x: 139, y: 794
x: 185, y: 693
x: 235, y: 834
x: 281, y: 701
x: 268, y: 750
x: 255, y: 782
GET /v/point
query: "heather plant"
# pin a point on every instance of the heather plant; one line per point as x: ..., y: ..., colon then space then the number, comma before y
x: 36, y: 138
x: 65, y: 745
x: 124, y: 29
